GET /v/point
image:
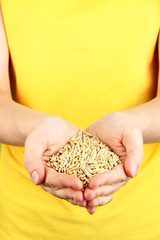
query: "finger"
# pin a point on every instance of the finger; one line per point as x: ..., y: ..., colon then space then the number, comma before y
x: 61, y: 180
x: 114, y: 176
x: 45, y: 158
x: 65, y: 193
x: 133, y: 143
x: 33, y: 160
x: 105, y: 190
x: 73, y: 202
x: 100, y: 201
x: 70, y: 194
x: 80, y: 204
x: 49, y: 151
x: 91, y: 210
x: 91, y: 129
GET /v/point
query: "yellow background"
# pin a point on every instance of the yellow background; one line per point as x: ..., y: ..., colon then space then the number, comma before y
x: 81, y: 59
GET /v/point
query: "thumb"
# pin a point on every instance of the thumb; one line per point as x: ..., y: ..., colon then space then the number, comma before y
x: 133, y: 143
x: 33, y: 160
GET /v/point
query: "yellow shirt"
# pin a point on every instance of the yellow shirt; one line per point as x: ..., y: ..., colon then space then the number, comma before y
x: 81, y: 59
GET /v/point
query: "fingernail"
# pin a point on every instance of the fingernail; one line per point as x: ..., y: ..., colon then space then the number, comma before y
x: 134, y: 169
x: 35, y: 177
x: 92, y: 197
x: 93, y: 186
x: 82, y: 204
x: 96, y: 203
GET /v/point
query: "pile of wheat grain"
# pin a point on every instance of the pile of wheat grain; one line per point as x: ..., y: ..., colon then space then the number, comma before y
x: 84, y: 156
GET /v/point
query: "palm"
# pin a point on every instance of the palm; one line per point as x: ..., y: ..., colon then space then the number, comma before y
x: 125, y: 139
x: 56, y: 133
x: 120, y: 135
x: 44, y: 141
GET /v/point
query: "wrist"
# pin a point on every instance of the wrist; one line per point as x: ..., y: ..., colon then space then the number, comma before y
x: 32, y: 120
x: 140, y: 119
x: 128, y: 116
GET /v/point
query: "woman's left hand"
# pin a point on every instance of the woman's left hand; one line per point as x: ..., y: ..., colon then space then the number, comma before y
x: 118, y: 132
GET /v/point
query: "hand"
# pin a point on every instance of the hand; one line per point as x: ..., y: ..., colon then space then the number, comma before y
x: 125, y: 139
x: 45, y: 140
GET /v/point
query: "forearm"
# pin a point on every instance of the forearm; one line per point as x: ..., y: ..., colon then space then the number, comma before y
x: 147, y: 118
x: 16, y: 121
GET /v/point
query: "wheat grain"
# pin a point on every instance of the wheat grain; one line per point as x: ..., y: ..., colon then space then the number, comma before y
x: 84, y: 156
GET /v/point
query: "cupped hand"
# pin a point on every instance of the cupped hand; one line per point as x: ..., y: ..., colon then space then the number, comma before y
x: 44, y: 141
x: 118, y: 132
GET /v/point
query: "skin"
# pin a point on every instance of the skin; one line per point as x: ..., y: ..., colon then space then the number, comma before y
x: 42, y: 135
x: 126, y: 141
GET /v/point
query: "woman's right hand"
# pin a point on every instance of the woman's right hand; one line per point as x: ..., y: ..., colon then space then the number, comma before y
x: 44, y: 141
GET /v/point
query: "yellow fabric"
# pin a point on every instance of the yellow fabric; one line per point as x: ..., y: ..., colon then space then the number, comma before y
x: 81, y: 59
